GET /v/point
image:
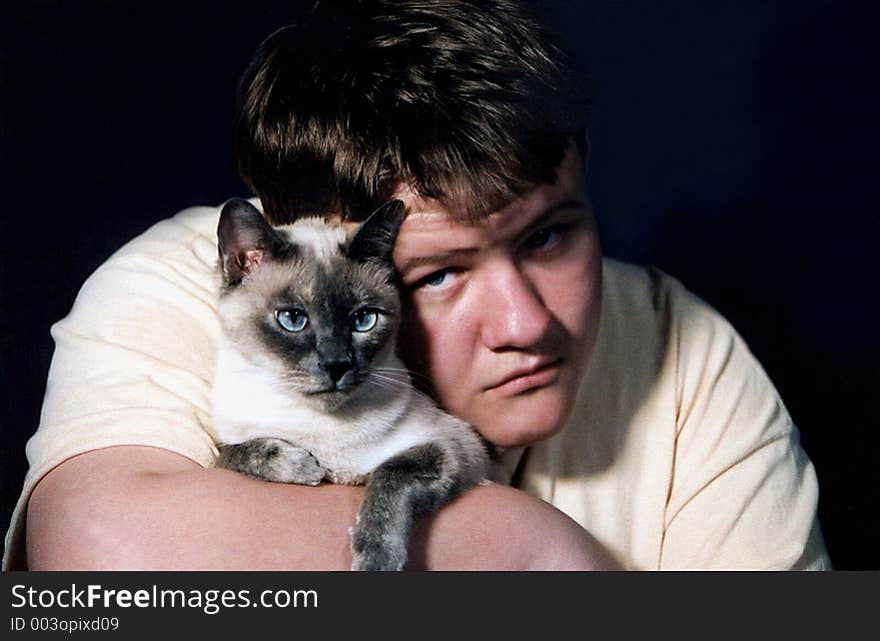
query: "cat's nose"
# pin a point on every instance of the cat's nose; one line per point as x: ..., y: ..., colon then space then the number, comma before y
x: 336, y: 368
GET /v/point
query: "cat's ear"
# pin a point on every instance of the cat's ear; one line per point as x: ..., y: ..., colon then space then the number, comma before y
x: 375, y: 238
x: 245, y: 240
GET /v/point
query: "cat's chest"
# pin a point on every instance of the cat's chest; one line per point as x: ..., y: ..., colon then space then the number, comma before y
x: 248, y: 403
x: 347, y: 449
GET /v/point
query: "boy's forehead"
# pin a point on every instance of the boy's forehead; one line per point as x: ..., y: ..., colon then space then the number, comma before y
x: 430, y: 227
x: 430, y: 232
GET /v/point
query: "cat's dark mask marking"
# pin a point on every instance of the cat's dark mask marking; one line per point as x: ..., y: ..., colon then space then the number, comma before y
x: 326, y: 281
x: 306, y: 415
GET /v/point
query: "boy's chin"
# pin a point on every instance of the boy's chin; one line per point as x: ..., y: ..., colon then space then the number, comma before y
x: 523, y: 421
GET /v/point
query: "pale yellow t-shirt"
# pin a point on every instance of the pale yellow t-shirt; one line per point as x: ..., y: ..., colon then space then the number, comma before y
x: 679, y: 454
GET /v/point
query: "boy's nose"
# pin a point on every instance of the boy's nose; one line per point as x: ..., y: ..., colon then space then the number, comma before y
x: 515, y: 315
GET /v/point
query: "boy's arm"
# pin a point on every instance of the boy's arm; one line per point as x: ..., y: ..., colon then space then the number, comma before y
x: 133, y: 364
x: 744, y: 493
x: 134, y: 507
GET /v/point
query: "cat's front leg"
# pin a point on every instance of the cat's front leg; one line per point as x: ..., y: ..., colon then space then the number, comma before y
x: 272, y: 459
x: 411, y: 484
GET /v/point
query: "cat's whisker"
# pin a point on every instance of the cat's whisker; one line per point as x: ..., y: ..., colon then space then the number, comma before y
x: 408, y: 372
x: 385, y: 382
x: 403, y: 380
x: 319, y: 420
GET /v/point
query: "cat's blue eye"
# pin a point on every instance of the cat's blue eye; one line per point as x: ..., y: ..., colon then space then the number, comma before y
x: 292, y: 320
x: 363, y: 320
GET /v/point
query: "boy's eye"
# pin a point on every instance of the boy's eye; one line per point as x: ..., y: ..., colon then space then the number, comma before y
x: 292, y: 320
x: 545, y: 238
x: 439, y: 279
x: 436, y: 279
x: 365, y: 319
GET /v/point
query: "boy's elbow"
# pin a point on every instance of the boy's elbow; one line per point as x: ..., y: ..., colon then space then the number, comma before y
x: 71, y: 525
x: 88, y: 514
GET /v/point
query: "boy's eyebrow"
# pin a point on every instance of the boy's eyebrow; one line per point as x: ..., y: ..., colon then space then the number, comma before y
x: 433, y: 259
x: 573, y: 203
x: 453, y: 254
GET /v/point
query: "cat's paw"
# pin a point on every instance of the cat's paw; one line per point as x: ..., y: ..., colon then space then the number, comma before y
x: 272, y: 459
x: 371, y: 551
x: 342, y: 477
x: 287, y: 463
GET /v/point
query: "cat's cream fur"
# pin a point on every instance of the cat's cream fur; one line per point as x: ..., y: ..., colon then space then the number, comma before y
x: 250, y: 402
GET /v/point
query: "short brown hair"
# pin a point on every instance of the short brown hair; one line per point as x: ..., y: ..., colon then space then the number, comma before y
x: 467, y: 101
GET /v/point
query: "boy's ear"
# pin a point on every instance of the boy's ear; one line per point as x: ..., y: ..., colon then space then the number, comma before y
x: 244, y: 239
x: 375, y: 238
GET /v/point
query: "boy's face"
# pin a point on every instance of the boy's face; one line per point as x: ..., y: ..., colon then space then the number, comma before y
x: 502, y: 315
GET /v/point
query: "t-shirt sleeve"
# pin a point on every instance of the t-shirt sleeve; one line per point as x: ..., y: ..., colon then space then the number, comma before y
x: 134, y: 359
x: 744, y: 494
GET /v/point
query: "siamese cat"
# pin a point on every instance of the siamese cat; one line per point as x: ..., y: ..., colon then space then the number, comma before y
x: 308, y: 385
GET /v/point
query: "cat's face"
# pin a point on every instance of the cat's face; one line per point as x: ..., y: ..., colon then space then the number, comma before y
x: 313, y: 302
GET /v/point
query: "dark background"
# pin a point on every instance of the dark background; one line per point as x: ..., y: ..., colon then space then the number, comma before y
x: 735, y: 146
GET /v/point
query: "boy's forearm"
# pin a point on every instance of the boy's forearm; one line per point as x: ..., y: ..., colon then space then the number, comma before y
x: 145, y: 508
